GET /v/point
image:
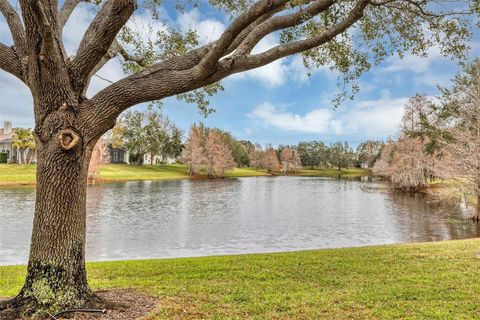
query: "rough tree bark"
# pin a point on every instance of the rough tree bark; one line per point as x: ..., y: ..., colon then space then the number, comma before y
x: 56, y: 277
x: 477, y: 218
x: 56, y: 268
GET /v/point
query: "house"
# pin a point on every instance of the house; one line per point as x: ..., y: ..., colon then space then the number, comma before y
x: 6, y: 137
x: 9, y: 153
x: 157, y: 159
x: 117, y: 155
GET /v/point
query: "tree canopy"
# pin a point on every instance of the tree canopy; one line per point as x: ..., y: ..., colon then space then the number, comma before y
x: 347, y: 36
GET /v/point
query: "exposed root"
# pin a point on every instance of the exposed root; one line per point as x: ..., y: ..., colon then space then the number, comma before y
x: 13, y: 308
x: 24, y: 307
x: 118, y: 304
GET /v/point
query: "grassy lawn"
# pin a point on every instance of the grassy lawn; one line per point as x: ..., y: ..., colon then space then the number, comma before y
x: 123, y: 172
x: 413, y: 281
x: 334, y: 172
x: 12, y: 174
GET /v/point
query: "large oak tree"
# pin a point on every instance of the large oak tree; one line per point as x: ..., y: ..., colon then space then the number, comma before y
x: 346, y: 35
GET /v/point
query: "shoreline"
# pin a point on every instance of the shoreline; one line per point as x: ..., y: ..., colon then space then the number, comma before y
x: 12, y: 175
x: 259, y: 253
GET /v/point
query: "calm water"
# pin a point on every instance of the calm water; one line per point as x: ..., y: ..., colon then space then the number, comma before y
x: 135, y: 220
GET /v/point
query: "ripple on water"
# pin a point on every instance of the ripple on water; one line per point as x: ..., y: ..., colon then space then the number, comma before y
x: 153, y: 219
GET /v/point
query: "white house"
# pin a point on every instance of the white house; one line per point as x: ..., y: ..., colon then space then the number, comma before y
x: 157, y: 159
x: 6, y: 137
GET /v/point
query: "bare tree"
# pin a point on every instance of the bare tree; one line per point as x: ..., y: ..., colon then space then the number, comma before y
x: 382, y: 165
x: 406, y: 164
x: 410, y: 167
x: 218, y: 155
x: 68, y: 124
x: 207, y: 152
x: 290, y: 160
x: 255, y: 156
x: 460, y: 152
x: 194, y: 152
x: 270, y: 160
x: 100, y: 156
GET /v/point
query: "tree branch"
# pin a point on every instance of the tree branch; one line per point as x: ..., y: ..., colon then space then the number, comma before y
x: 280, y: 51
x: 283, y: 22
x: 16, y: 27
x: 119, y: 49
x: 10, y: 62
x: 228, y: 37
x: 175, y: 75
x: 190, y: 60
x: 66, y: 12
x: 99, y: 37
x: 422, y: 10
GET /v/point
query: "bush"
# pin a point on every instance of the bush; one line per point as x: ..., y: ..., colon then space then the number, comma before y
x: 3, y: 157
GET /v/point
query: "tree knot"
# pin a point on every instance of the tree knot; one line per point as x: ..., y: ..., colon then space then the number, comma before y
x: 68, y: 138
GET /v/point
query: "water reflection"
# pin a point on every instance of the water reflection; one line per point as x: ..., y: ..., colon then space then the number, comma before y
x: 150, y: 219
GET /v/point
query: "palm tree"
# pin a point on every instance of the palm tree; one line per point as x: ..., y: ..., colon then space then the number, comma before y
x: 24, y: 142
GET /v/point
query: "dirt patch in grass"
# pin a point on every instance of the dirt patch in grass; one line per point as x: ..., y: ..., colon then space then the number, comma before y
x: 121, y: 304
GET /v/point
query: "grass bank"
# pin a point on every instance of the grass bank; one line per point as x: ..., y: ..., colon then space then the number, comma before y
x: 12, y: 174
x: 334, y: 172
x: 409, y: 281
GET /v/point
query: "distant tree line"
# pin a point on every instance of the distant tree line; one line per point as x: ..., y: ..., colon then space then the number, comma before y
x: 339, y: 154
x: 212, y: 151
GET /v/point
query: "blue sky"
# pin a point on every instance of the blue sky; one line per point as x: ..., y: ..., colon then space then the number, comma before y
x: 276, y: 104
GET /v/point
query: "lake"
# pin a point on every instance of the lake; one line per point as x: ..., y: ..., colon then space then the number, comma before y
x: 183, y: 218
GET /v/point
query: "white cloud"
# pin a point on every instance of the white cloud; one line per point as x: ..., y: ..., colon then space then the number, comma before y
x: 373, y: 118
x: 272, y: 75
x: 413, y: 63
x: 297, y: 69
x: 316, y: 121
x: 76, y: 26
x: 208, y: 30
x: 427, y: 71
x: 16, y: 103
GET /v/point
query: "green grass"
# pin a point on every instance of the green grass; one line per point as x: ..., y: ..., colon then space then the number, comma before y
x: 410, y: 281
x: 12, y: 174
x: 124, y: 172
x: 334, y: 172
x: 246, y: 172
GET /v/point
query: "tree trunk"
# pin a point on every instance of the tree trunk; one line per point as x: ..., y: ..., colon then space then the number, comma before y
x: 151, y: 158
x: 25, y: 156
x: 477, y: 218
x: 139, y: 160
x: 56, y: 275
x: 56, y: 268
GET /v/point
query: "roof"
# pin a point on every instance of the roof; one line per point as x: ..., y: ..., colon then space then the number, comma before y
x: 6, y: 137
